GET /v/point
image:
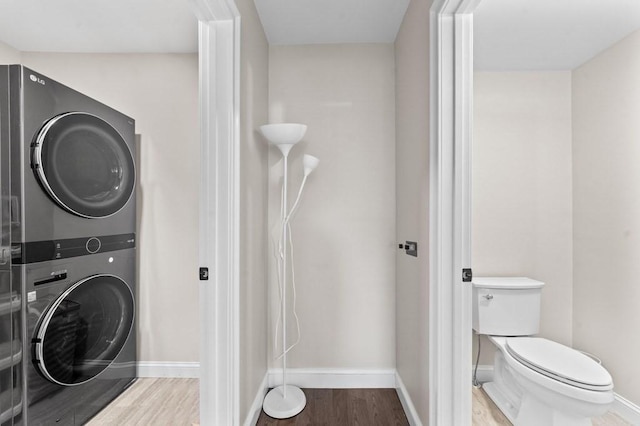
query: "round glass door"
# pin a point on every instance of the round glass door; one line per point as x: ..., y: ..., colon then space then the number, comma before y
x: 84, y: 330
x: 84, y: 164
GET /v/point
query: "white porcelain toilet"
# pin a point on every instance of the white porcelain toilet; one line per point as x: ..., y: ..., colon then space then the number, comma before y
x: 535, y: 381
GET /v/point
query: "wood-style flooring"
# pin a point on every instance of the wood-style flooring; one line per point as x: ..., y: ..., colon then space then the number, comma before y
x: 329, y: 407
x: 485, y: 413
x: 175, y: 402
x: 151, y: 401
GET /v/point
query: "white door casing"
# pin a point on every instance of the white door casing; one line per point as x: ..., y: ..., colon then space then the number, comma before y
x: 219, y: 64
x: 451, y: 92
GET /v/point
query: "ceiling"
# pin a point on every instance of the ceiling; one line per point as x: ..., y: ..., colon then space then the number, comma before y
x: 170, y: 25
x: 99, y: 25
x: 331, y: 21
x: 548, y: 34
x: 509, y: 34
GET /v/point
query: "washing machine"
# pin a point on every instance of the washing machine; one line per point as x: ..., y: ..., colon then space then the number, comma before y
x: 72, y: 166
x: 79, y: 339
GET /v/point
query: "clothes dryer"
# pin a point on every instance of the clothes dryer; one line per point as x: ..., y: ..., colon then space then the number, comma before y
x: 73, y: 164
x: 79, y: 339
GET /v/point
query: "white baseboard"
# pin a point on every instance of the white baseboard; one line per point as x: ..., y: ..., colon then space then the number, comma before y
x: 168, y: 369
x: 256, y: 407
x: 626, y: 409
x: 325, y: 378
x: 407, y: 404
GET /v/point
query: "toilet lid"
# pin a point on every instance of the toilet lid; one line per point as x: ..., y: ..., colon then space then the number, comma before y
x: 560, y: 362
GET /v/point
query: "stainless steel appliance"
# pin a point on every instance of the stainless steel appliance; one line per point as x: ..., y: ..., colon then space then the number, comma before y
x: 67, y: 252
x: 72, y: 163
x: 79, y: 342
x: 11, y: 352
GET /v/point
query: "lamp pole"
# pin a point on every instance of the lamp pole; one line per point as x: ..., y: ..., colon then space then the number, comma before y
x: 285, y: 156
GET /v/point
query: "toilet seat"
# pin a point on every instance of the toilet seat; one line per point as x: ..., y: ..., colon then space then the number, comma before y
x: 559, y: 362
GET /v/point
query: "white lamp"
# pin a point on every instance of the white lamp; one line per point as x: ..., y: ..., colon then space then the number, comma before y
x: 310, y: 163
x: 284, y: 135
x: 287, y: 400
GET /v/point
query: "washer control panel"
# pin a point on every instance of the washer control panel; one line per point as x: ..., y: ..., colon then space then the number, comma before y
x: 40, y: 251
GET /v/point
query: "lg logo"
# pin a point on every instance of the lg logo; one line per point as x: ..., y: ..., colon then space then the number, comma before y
x: 36, y: 79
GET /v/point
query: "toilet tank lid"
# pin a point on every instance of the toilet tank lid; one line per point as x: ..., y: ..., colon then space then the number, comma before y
x: 506, y: 282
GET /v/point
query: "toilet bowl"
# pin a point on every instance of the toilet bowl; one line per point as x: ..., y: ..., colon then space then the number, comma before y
x: 535, y: 381
x: 547, y: 383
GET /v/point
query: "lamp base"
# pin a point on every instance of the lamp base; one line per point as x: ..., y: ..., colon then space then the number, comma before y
x: 277, y: 406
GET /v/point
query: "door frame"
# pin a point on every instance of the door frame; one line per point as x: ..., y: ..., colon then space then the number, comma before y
x: 451, y: 114
x: 451, y: 93
x: 219, y: 110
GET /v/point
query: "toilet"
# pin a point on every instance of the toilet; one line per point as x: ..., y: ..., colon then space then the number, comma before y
x: 535, y: 381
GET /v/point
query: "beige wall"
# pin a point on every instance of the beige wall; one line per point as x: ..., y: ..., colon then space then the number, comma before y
x: 9, y: 55
x: 527, y: 176
x: 412, y: 204
x: 160, y: 91
x: 254, y: 64
x: 522, y: 220
x: 606, y: 214
x: 344, y: 232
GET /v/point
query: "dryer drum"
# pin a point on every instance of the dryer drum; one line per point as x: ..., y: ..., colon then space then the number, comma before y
x: 84, y: 330
x: 84, y: 165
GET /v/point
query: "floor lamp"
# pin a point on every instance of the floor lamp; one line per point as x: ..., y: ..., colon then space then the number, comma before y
x: 286, y: 400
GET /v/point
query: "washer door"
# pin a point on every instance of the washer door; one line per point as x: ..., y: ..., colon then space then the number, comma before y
x: 84, y: 330
x: 84, y: 164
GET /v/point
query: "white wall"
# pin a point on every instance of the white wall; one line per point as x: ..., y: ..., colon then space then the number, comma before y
x: 606, y: 214
x: 254, y: 64
x: 522, y: 210
x: 344, y: 232
x: 160, y: 91
x: 412, y: 206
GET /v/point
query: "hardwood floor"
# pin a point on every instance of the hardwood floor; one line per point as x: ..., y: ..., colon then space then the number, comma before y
x: 346, y: 407
x: 175, y: 402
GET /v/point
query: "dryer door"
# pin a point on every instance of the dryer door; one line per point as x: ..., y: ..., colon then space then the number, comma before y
x: 84, y: 164
x: 84, y: 330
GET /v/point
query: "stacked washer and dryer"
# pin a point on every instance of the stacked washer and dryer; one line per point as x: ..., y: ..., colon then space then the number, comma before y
x: 73, y: 259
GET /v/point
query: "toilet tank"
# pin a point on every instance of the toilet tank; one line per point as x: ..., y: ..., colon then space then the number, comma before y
x: 506, y: 306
